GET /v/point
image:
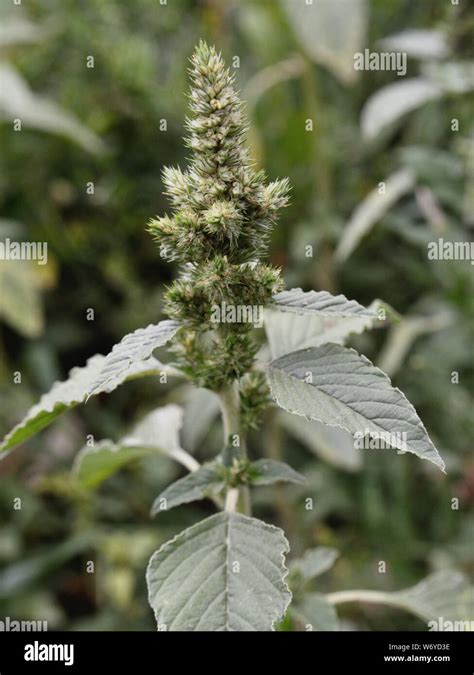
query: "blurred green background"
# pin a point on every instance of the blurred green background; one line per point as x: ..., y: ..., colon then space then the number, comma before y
x: 83, y: 174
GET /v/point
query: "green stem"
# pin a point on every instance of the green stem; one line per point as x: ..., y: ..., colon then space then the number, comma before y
x: 237, y: 499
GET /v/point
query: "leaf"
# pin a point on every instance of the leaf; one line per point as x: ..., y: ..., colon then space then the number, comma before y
x: 16, y: 31
x: 314, y: 562
x: 18, y: 101
x: 19, y: 576
x: 332, y: 444
x: 296, y: 319
x: 196, y: 485
x: 331, y: 32
x: 403, y: 335
x: 134, y: 347
x: 224, y: 574
x: 268, y: 471
x: 96, y: 464
x: 20, y: 298
x: 420, y: 44
x: 157, y: 432
x: 337, y: 386
x: 315, y: 613
x: 200, y: 409
x: 454, y: 77
x: 391, y: 102
x: 68, y: 394
x: 372, y: 208
x: 442, y: 596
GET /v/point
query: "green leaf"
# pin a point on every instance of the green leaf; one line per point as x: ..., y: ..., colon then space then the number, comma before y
x: 315, y: 613
x: 68, y: 394
x: 224, y: 574
x: 96, y: 464
x: 196, y: 485
x: 20, y: 298
x: 268, y: 471
x: 444, y: 595
x: 391, y: 102
x: 337, y: 386
x: 17, y: 100
x: 371, y: 209
x: 314, y: 562
x: 332, y: 444
x: 133, y: 348
x: 419, y: 44
x: 157, y: 432
x: 296, y: 320
x: 331, y: 32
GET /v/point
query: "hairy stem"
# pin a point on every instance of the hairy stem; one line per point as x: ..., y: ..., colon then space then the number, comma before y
x: 237, y: 499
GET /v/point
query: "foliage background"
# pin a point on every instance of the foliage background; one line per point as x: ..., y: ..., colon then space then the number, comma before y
x: 385, y: 507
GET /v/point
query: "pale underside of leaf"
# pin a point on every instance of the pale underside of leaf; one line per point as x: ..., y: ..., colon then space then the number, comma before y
x: 296, y: 319
x: 345, y: 389
x: 134, y: 347
x: 68, y: 394
x: 332, y: 444
x: 224, y: 574
x: 158, y: 432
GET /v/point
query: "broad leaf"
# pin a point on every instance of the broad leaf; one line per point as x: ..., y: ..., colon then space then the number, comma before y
x: 20, y: 299
x: 372, y: 208
x: 133, y: 348
x: 224, y: 574
x: 295, y: 320
x: 337, y: 386
x: 331, y: 32
x: 68, y: 394
x: 315, y: 613
x: 442, y: 596
x: 197, y: 485
x: 314, y: 562
x: 332, y: 444
x: 158, y: 432
x: 268, y: 471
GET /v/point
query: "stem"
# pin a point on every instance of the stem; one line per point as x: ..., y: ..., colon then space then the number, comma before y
x: 230, y: 406
x: 378, y: 597
x: 185, y: 459
x: 237, y: 499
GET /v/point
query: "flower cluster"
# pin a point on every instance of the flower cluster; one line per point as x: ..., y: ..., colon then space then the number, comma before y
x: 223, y: 212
